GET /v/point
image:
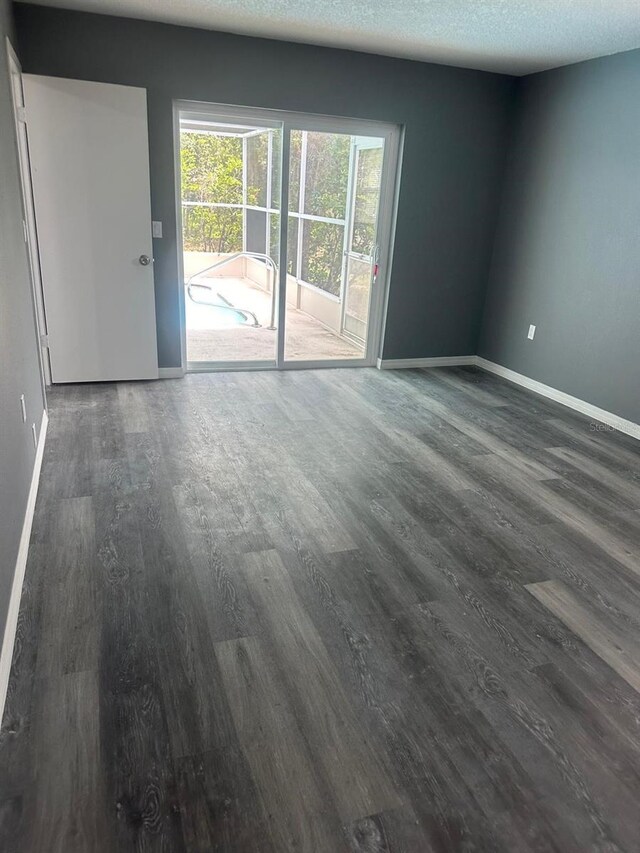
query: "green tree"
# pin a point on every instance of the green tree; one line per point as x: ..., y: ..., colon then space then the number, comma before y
x: 257, y: 160
x: 326, y: 182
x: 211, y: 170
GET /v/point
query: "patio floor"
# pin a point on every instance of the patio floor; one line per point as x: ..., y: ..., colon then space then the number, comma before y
x: 306, y: 338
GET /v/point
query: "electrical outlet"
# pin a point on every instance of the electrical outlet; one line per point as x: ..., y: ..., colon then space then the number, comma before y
x: 532, y: 331
x: 23, y: 406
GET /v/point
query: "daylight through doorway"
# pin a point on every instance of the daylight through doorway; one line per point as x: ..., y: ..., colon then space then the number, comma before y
x: 241, y: 307
x: 230, y: 195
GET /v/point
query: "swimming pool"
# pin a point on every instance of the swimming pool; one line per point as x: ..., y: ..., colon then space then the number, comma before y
x: 210, y: 310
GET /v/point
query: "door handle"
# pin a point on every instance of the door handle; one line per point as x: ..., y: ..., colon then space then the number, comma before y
x: 145, y: 260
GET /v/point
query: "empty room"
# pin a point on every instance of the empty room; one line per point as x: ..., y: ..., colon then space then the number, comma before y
x: 319, y: 426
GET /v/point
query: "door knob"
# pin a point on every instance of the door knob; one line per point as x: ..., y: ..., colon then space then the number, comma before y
x: 145, y: 260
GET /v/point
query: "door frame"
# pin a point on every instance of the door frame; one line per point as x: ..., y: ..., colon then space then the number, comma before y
x: 389, y: 190
x: 29, y: 221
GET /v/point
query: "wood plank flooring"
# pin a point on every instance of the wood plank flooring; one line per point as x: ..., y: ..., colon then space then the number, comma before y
x: 335, y: 611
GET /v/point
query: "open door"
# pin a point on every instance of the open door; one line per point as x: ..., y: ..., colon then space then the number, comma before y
x: 89, y: 150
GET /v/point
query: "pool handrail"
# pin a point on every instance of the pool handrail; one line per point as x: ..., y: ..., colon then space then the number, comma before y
x: 221, y: 263
x: 244, y: 311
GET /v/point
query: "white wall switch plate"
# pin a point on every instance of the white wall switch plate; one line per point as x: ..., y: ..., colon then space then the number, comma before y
x: 23, y: 408
x: 532, y: 331
x: 156, y: 229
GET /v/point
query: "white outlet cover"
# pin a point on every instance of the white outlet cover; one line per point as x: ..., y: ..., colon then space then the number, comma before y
x: 532, y: 331
x: 156, y: 229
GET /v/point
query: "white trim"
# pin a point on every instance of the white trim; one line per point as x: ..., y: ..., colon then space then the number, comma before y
x: 29, y: 221
x: 177, y: 181
x: 229, y: 366
x: 226, y: 366
x: 575, y: 403
x: 388, y: 202
x: 283, y: 245
x: 11, y: 624
x: 265, y: 118
x: 588, y: 409
x: 392, y: 135
x: 439, y: 361
x: 245, y: 160
x: 267, y: 219
x: 394, y: 204
x: 302, y: 191
x: 170, y: 373
x: 325, y: 364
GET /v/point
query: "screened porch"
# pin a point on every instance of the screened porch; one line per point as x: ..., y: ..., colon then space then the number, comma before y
x: 230, y: 211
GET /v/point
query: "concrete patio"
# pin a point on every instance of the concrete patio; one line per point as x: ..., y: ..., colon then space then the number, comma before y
x: 211, y: 337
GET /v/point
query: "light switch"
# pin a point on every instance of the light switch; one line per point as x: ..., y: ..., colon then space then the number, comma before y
x: 156, y: 229
x: 532, y: 331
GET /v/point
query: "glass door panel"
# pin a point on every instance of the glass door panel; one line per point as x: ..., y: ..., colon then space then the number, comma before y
x: 315, y: 300
x: 334, y: 188
x: 230, y: 177
x: 357, y: 296
x: 362, y: 246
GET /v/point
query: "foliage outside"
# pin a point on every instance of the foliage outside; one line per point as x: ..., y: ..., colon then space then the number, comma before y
x: 212, y: 174
x: 211, y: 171
x: 325, y: 194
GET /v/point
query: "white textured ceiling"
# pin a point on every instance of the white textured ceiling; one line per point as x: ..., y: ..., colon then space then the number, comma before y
x: 510, y: 36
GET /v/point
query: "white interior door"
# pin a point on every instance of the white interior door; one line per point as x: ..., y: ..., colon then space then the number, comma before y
x: 88, y: 144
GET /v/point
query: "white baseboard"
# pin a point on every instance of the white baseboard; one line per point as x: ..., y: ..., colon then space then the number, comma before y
x: 170, y: 373
x: 438, y: 361
x: 21, y: 564
x: 591, y: 411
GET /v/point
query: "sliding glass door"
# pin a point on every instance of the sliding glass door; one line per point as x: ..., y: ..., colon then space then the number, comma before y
x: 329, y: 275
x: 286, y: 229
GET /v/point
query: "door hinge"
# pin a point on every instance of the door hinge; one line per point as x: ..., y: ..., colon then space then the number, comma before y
x: 44, y: 341
x: 22, y: 114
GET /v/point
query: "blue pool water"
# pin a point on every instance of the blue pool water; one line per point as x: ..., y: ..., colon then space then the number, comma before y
x: 224, y: 317
x: 211, y: 312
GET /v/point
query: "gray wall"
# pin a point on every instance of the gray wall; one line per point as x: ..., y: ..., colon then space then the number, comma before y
x: 567, y: 253
x: 454, y: 149
x: 19, y: 370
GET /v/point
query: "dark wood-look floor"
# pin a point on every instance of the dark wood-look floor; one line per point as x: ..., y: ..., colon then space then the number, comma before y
x: 327, y: 611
